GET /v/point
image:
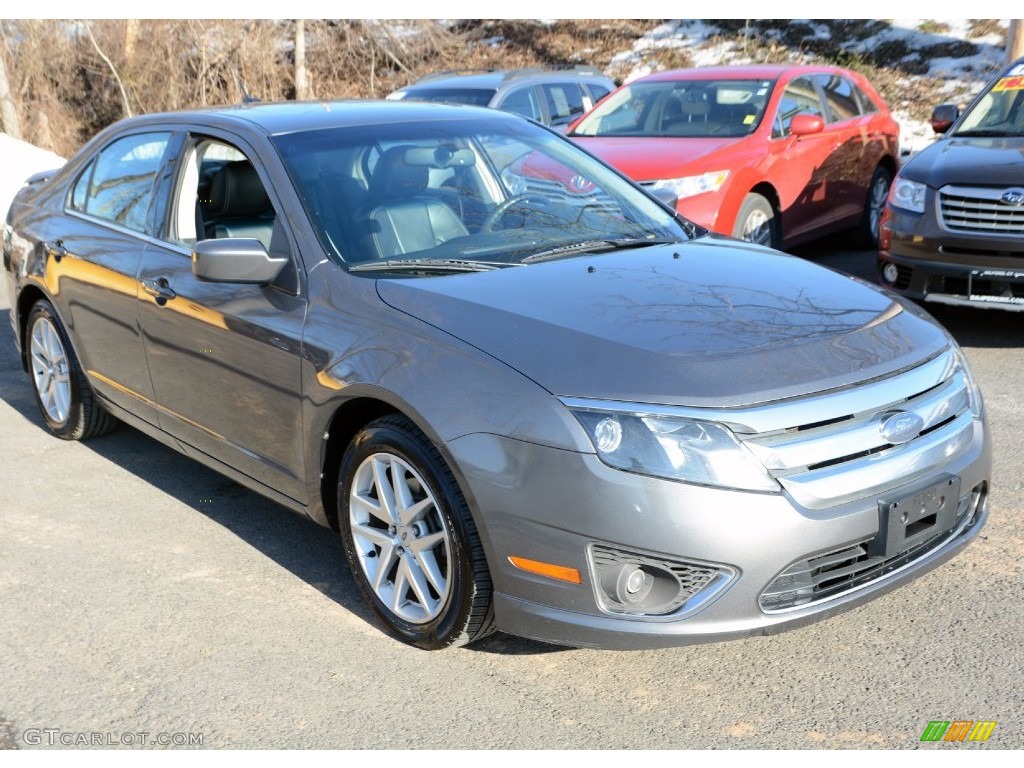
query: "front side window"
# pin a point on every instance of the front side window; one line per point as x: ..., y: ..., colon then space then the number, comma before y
x: 118, y: 185
x: 693, y: 108
x: 799, y: 98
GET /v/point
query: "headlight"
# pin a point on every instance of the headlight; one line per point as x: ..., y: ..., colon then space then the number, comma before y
x: 908, y: 195
x: 688, y: 186
x: 676, y: 448
x: 973, y: 392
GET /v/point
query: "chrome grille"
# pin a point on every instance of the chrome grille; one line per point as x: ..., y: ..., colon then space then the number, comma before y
x: 979, y: 209
x: 829, y: 449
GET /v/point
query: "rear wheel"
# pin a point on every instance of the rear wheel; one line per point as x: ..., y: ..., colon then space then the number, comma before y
x: 874, y: 206
x: 411, y: 544
x: 62, y: 392
x: 756, y: 222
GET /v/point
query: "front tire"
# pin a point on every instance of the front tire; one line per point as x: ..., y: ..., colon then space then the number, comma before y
x: 757, y: 223
x: 410, y: 541
x: 66, y: 401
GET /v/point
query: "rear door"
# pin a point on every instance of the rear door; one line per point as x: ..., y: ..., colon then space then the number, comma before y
x: 225, y: 357
x: 110, y: 219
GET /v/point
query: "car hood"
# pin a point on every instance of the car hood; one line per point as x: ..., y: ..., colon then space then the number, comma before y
x: 972, y: 161
x: 654, y: 157
x: 724, y: 324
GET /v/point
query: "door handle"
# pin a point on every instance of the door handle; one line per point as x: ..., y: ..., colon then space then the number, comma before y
x: 159, y: 289
x: 56, y: 249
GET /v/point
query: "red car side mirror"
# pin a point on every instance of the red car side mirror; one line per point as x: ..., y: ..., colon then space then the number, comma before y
x: 805, y: 125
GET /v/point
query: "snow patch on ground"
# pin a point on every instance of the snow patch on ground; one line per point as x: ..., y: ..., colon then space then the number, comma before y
x: 19, y: 160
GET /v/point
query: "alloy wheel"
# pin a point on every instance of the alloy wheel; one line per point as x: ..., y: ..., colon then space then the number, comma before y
x: 50, y: 370
x: 401, y: 540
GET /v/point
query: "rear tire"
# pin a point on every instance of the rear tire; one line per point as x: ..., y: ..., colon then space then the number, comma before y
x: 878, y: 192
x: 410, y: 541
x: 66, y: 401
x: 757, y: 223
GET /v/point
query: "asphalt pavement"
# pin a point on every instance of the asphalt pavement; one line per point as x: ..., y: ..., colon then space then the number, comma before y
x: 147, y: 601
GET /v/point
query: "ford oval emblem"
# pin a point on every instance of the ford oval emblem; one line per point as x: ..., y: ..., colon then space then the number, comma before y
x: 901, y: 427
x: 1013, y: 196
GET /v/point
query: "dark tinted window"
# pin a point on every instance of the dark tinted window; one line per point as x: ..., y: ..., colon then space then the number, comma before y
x: 564, y: 100
x: 118, y: 185
x: 840, y: 96
x: 523, y: 102
x: 478, y: 97
x: 799, y: 98
x: 597, y: 92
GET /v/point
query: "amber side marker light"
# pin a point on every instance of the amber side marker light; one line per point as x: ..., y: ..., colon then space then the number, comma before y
x: 559, y: 572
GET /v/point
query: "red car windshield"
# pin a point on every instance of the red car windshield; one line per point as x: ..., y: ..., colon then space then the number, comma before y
x: 692, y: 108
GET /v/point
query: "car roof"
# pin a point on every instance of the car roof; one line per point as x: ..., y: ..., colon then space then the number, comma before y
x: 290, y: 116
x: 742, y: 72
x: 497, y: 78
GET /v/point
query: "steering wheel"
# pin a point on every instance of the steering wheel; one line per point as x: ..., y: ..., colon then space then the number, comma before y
x: 499, y: 212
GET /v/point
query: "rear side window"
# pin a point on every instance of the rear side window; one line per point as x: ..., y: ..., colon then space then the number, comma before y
x: 564, y: 100
x: 118, y: 185
x: 840, y: 96
x: 597, y: 92
x: 523, y: 102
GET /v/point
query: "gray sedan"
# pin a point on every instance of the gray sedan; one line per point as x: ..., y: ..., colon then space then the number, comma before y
x: 529, y: 396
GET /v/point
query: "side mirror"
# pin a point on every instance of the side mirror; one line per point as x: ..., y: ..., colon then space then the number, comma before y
x: 943, y: 116
x: 235, y: 260
x: 805, y: 125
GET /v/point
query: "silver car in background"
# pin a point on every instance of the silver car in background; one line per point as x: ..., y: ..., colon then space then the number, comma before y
x: 526, y: 394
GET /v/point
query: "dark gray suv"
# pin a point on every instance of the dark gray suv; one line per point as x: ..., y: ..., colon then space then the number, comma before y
x: 552, y: 97
x: 953, y: 229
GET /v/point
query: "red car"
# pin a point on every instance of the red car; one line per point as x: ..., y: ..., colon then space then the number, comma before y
x: 773, y: 154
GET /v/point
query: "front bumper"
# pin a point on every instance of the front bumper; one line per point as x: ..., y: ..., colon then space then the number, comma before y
x: 936, y: 265
x: 555, y: 506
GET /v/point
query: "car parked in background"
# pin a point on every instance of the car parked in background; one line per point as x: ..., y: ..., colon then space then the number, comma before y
x: 953, y: 231
x: 553, y: 97
x: 565, y: 412
x: 773, y: 154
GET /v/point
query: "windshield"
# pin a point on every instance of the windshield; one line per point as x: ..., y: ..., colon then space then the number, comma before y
x: 479, y: 97
x: 1000, y: 112
x: 694, y: 108
x: 485, y: 192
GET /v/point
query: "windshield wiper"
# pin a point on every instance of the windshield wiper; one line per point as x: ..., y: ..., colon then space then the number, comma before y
x: 592, y: 246
x: 428, y: 265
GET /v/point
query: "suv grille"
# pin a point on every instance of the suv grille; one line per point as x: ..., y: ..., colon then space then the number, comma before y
x: 978, y: 209
x: 830, y: 448
x: 833, y: 573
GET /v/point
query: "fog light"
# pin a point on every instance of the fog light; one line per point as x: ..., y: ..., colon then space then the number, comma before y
x: 890, y: 273
x: 633, y: 585
x: 608, y: 435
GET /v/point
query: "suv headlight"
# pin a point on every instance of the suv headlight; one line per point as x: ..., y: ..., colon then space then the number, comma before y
x: 908, y: 195
x: 672, y: 447
x: 688, y: 186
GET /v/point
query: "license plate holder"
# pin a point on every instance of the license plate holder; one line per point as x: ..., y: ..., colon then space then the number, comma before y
x: 1009, y: 276
x: 906, y: 520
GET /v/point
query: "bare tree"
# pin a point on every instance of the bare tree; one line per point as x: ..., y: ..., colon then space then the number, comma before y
x: 8, y: 109
x: 124, y: 94
x: 302, y: 89
x: 1015, y: 40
